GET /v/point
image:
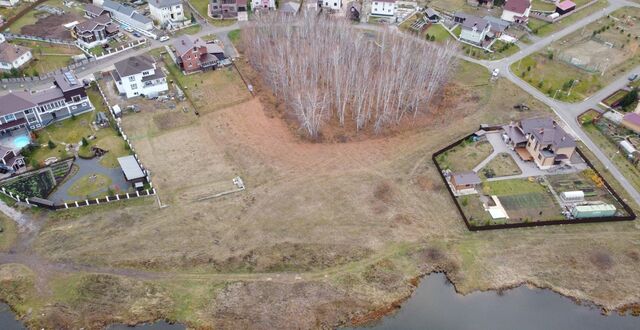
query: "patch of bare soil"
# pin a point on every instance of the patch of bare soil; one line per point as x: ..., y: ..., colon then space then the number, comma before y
x: 51, y: 26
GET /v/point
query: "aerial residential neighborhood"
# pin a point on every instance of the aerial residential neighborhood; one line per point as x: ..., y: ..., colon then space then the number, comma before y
x: 319, y: 164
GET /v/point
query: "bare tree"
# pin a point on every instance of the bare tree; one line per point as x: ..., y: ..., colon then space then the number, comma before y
x: 322, y: 67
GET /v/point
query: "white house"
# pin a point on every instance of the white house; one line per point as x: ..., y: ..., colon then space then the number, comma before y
x: 168, y: 13
x: 13, y: 56
x: 139, y: 76
x: 331, y: 4
x: 474, y: 29
x: 383, y: 8
x: 516, y: 11
x: 263, y: 4
x: 8, y: 3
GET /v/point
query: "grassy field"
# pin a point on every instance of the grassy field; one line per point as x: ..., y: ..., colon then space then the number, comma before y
x: 350, y: 230
x: 9, y: 233
x: 193, y: 29
x: 465, y: 156
x: 89, y: 185
x: 542, y: 5
x: 502, y: 165
x: 438, y: 32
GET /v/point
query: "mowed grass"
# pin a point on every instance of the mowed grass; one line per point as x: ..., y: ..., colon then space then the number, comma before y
x: 512, y: 187
x: 465, y: 156
x: 542, y: 5
x: 553, y: 78
x: 502, y: 165
x: 439, y: 32
x: 9, y: 232
x: 89, y: 185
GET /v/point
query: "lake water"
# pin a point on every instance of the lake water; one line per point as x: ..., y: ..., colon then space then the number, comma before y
x: 436, y: 305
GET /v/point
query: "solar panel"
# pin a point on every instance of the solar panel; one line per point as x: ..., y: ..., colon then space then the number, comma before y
x: 70, y: 78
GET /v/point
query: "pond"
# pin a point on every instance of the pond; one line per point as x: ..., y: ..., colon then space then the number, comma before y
x: 436, y: 305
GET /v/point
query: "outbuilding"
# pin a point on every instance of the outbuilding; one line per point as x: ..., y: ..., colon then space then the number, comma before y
x: 593, y: 211
x: 132, y: 171
x: 565, y: 7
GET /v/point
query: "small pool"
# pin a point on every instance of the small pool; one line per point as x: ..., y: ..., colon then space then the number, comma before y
x: 20, y: 142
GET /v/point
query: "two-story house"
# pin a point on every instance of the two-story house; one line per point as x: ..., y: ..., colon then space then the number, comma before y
x: 126, y: 15
x: 139, y: 76
x: 516, y: 11
x: 383, y: 8
x: 540, y: 140
x: 228, y: 9
x: 263, y: 4
x: 95, y: 31
x: 473, y: 29
x: 167, y: 13
x: 13, y: 56
x: 193, y: 54
x: 33, y: 110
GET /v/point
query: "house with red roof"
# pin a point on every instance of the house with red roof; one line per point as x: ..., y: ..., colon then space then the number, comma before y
x: 565, y: 7
x: 632, y: 122
x: 516, y: 11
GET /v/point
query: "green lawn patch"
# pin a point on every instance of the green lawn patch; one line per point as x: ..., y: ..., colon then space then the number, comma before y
x: 89, y: 185
x: 234, y: 36
x: 8, y: 232
x: 502, y: 165
x: 615, y: 97
x: 439, y: 32
x: 511, y: 187
x: 465, y: 156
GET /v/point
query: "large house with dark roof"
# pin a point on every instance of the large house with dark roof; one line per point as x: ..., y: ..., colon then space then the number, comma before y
x: 139, y: 76
x: 540, y: 140
x: 193, y: 54
x: 95, y: 31
x: 33, y: 110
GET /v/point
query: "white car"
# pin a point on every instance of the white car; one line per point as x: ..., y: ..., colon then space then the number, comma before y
x: 164, y: 38
x: 495, y: 72
x: 128, y: 29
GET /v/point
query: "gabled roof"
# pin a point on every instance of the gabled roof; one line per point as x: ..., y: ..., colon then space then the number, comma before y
x: 67, y: 81
x: 469, y: 21
x: 184, y: 43
x: 430, y: 12
x: 466, y: 178
x: 547, y: 131
x: 93, y: 9
x: 126, y: 10
x: 93, y: 23
x: 14, y: 102
x: 497, y: 24
x: 163, y: 3
x: 517, y: 6
x: 134, y: 65
x: 632, y: 118
x: 10, y: 52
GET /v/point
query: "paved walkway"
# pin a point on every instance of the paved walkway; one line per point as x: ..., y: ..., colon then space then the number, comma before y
x: 87, y: 167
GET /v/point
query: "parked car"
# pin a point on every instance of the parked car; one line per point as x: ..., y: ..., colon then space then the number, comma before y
x: 164, y: 38
x: 128, y: 29
x: 495, y: 72
x: 136, y: 34
x: 633, y: 77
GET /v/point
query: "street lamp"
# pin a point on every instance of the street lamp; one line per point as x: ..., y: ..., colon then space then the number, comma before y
x: 573, y: 83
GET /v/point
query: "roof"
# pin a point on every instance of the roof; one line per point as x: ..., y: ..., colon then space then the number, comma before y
x: 156, y: 75
x: 566, y: 4
x: 595, y: 208
x: 547, y: 131
x: 126, y: 10
x: 67, y: 81
x: 528, y: 125
x: 14, y: 102
x: 10, y: 52
x: 134, y: 65
x: 93, y: 23
x: 469, y: 21
x: 467, y: 178
x: 130, y: 168
x: 431, y: 12
x: 632, y: 118
x: 185, y: 43
x: 497, y: 24
x: 214, y: 49
x: 163, y: 3
x: 514, y: 133
x: 93, y: 9
x: 517, y: 6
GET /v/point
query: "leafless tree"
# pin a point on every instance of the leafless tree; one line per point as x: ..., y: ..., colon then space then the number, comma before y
x: 322, y: 67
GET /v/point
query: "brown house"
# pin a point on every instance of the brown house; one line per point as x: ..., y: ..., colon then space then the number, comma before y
x: 541, y: 140
x: 193, y: 54
x: 465, y: 182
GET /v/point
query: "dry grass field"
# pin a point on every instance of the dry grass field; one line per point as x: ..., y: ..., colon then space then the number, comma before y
x: 324, y: 234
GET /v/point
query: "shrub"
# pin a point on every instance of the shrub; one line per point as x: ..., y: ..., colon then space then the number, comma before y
x: 464, y: 201
x: 85, y: 142
x: 51, y: 145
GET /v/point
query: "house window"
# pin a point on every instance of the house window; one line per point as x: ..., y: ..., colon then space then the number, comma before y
x: 132, y: 78
x: 144, y: 73
x: 76, y: 98
x: 134, y: 86
x: 9, y: 117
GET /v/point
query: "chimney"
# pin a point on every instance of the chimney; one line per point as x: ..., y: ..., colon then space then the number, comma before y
x: 183, y: 41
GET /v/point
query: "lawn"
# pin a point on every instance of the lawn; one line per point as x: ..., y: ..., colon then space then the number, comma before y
x: 8, y: 232
x: 234, y: 35
x: 542, y: 5
x: 500, y: 49
x: 439, y: 32
x: 502, y: 165
x: 615, y: 97
x: 89, y: 185
x: 556, y: 79
x: 512, y: 187
x: 465, y: 156
x: 47, y: 57
x: 193, y: 29
x: 524, y: 200
x: 71, y: 131
x: 210, y: 90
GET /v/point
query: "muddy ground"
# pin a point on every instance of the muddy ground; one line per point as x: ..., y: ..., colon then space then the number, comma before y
x: 52, y: 26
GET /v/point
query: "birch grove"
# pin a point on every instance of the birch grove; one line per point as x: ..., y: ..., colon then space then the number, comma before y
x: 323, y: 67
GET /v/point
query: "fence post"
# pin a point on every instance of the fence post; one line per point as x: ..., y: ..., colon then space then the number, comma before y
x: 97, y: 201
x: 127, y: 195
x: 107, y: 198
x: 66, y: 206
x: 117, y: 197
x: 77, y: 204
x: 137, y: 193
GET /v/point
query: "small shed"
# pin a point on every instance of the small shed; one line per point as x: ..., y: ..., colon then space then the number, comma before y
x: 565, y: 7
x: 593, y: 211
x: 575, y: 196
x: 628, y: 148
x: 102, y: 120
x: 431, y: 15
x: 132, y: 171
x: 465, y: 180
